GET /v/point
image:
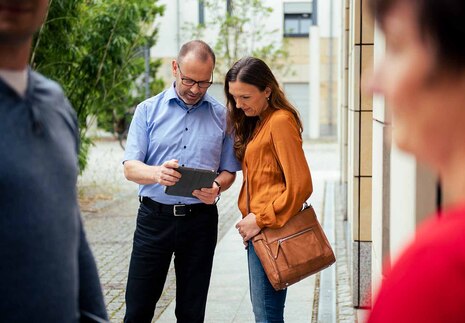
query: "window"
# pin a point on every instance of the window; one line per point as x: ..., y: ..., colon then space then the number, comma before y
x: 297, y: 19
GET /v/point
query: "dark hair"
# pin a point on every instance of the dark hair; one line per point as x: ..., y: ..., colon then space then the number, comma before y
x: 255, y: 72
x: 201, y: 49
x: 440, y: 22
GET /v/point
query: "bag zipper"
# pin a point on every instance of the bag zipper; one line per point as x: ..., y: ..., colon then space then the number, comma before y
x: 294, y: 235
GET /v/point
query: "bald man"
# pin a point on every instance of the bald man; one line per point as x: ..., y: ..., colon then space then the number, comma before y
x: 182, y: 126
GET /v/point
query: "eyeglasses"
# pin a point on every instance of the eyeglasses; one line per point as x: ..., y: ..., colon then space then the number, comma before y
x: 190, y: 82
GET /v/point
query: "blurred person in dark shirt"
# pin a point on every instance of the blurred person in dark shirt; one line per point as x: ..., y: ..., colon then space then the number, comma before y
x: 47, y: 270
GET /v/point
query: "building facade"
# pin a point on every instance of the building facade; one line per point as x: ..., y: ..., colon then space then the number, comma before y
x: 308, y: 28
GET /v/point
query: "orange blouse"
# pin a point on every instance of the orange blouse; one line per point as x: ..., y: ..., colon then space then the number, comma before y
x: 279, y: 180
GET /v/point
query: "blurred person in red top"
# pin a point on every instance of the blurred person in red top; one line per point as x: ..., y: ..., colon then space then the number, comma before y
x: 422, y: 78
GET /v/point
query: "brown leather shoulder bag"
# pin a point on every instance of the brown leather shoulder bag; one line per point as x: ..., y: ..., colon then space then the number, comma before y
x: 295, y: 251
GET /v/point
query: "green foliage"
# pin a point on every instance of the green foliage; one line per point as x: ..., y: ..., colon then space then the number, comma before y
x: 94, y: 49
x: 242, y: 32
x: 85, y: 144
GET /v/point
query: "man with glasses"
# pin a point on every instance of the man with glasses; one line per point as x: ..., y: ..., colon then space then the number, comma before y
x: 182, y: 126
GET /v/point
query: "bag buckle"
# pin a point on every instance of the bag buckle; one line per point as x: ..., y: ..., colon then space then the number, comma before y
x: 179, y: 210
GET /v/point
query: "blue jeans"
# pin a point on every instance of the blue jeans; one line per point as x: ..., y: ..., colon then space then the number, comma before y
x: 267, y: 304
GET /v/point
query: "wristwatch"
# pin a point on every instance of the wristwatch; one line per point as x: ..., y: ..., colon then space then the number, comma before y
x: 219, y: 187
x: 219, y: 191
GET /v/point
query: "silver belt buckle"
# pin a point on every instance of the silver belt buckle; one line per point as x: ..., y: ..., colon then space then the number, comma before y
x: 177, y: 212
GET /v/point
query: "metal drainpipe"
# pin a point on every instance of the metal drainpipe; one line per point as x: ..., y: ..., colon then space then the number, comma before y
x: 178, y: 25
x: 330, y: 67
x: 315, y: 12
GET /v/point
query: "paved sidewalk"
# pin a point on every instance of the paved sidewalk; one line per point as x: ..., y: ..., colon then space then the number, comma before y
x: 110, y: 203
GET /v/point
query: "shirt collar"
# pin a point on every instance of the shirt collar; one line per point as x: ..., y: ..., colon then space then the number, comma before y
x: 17, y: 80
x: 171, y: 94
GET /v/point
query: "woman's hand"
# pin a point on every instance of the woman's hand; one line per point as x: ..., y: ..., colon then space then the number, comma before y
x: 248, y: 228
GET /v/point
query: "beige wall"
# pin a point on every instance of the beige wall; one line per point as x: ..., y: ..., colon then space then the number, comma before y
x: 299, y: 60
x: 329, y: 82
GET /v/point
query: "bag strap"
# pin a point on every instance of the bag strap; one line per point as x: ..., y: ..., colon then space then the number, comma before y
x: 247, y: 190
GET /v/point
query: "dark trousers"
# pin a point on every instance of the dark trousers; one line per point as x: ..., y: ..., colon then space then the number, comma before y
x: 159, y: 234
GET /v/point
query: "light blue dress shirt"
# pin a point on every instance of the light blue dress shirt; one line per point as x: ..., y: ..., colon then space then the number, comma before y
x: 164, y: 128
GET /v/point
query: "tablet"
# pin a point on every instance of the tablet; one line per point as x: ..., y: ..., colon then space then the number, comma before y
x: 191, y: 179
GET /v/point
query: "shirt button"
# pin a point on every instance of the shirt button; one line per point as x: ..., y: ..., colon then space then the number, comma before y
x: 187, y: 129
x: 185, y: 147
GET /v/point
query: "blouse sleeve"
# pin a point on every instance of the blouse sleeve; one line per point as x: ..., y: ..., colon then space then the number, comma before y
x: 287, y: 146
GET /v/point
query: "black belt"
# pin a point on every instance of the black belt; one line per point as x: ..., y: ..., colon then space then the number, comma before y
x: 176, y: 209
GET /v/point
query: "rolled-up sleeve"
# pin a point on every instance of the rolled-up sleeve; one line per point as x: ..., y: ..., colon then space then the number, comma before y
x: 137, y: 141
x: 228, y: 160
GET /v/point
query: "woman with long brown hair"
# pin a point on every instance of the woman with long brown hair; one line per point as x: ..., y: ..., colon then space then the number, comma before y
x: 277, y: 179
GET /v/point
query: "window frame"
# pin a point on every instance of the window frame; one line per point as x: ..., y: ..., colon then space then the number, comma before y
x: 299, y: 14
x: 299, y: 17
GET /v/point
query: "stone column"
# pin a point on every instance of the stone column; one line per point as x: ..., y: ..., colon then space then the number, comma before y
x: 360, y: 129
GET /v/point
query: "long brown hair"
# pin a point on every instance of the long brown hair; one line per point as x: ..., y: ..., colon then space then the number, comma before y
x: 255, y: 72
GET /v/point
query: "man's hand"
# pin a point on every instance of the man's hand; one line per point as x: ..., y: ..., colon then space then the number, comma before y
x: 143, y: 174
x: 207, y: 195
x: 166, y: 173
